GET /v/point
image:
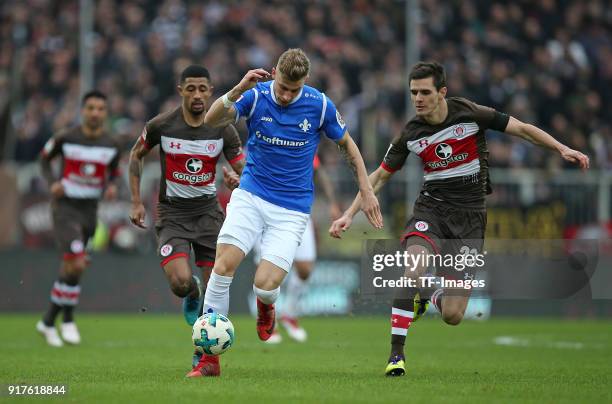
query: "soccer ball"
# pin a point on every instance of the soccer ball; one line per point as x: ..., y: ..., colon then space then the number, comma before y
x: 213, y: 334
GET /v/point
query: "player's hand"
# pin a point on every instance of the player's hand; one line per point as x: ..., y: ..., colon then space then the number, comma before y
x: 334, y: 210
x: 251, y: 79
x: 574, y: 156
x: 340, y: 225
x: 230, y: 178
x: 371, y: 208
x: 57, y: 189
x: 137, y: 215
x: 111, y: 192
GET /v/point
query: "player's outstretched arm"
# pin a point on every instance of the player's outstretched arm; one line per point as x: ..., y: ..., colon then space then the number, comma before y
x: 539, y: 137
x: 137, y: 211
x: 369, y: 203
x: 377, y: 179
x: 222, y: 112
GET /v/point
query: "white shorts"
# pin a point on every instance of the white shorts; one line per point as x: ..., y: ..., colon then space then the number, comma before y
x: 250, y: 218
x: 306, y: 251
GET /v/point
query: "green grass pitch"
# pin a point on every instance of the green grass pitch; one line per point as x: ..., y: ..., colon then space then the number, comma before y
x: 143, y: 358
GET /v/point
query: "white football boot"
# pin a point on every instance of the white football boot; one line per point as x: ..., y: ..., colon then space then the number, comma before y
x: 50, y: 334
x: 70, y: 333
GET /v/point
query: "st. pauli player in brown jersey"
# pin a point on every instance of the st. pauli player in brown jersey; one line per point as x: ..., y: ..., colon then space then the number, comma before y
x: 189, y: 216
x: 448, y: 134
x: 90, y: 159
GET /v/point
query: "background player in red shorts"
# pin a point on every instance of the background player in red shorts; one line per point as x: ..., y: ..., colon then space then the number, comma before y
x: 89, y: 165
x: 189, y: 216
x: 450, y: 214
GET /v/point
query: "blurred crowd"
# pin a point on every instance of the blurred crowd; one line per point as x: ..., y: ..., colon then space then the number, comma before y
x: 545, y: 62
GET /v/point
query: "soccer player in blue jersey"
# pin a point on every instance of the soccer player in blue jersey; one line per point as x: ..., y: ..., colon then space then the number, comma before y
x: 285, y: 119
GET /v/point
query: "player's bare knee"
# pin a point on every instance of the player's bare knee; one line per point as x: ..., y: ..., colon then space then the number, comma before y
x: 75, y: 267
x: 416, y: 266
x: 223, y: 268
x: 180, y: 283
x: 452, y: 318
x: 266, y: 283
x: 180, y: 286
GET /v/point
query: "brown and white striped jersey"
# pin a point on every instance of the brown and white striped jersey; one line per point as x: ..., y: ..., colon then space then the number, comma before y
x: 189, y: 155
x: 87, y: 163
x: 454, y: 152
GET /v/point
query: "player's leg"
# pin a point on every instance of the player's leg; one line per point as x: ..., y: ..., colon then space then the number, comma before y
x: 241, y: 228
x: 405, y: 305
x: 468, y: 227
x: 216, y: 298
x: 174, y: 259
x: 282, y: 235
x: 65, y: 292
x: 303, y: 265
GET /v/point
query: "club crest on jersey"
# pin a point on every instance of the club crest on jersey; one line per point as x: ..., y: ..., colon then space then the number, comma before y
x: 88, y: 169
x: 211, y: 147
x: 194, y: 165
x: 165, y: 250
x: 459, y: 130
x: 305, y: 125
x: 421, y: 225
x: 340, y: 120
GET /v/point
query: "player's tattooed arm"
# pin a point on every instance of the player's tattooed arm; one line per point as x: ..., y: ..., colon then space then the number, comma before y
x: 369, y: 203
x: 539, y: 137
x: 137, y: 211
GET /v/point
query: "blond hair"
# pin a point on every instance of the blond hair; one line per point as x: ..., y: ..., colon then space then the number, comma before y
x: 293, y: 64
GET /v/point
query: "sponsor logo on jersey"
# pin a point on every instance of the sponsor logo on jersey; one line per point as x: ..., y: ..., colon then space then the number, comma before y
x: 191, y: 178
x: 423, y: 143
x: 445, y: 163
x: 88, y: 169
x: 277, y: 141
x: 445, y: 154
x: 194, y: 165
x: 305, y: 125
x: 444, y: 151
x: 421, y: 225
x: 175, y: 145
x: 266, y: 119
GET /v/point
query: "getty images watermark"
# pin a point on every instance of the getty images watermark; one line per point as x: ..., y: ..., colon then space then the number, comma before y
x: 459, y: 269
x: 501, y: 269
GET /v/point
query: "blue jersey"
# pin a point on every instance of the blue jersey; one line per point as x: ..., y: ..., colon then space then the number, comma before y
x: 282, y: 143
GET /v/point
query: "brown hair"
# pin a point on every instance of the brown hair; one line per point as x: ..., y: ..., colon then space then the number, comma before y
x: 293, y: 64
x: 422, y: 70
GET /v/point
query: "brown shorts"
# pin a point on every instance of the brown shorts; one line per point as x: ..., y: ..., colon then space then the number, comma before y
x: 446, y: 229
x: 74, y: 223
x: 178, y: 233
